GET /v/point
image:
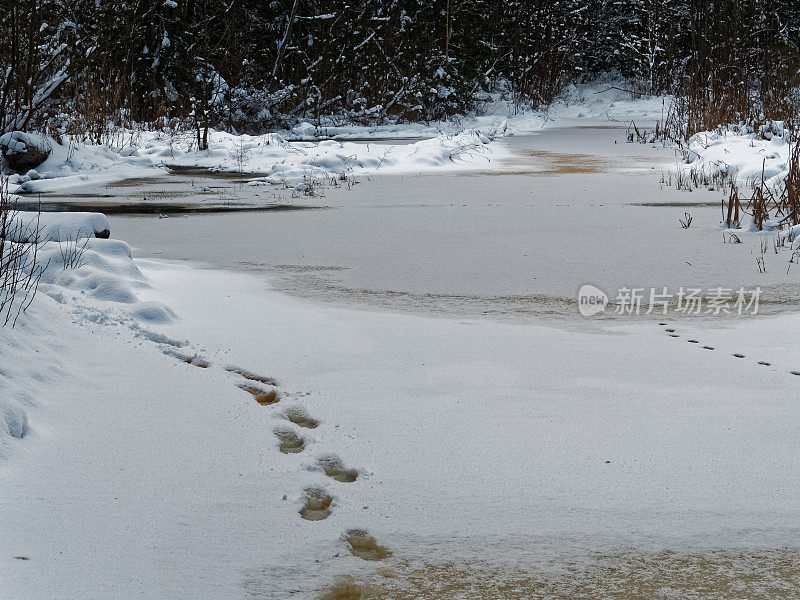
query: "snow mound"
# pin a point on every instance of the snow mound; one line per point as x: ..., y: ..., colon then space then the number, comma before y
x: 279, y: 160
x: 57, y: 227
x: 106, y: 270
x: 74, y: 163
x: 154, y: 312
x: 742, y: 156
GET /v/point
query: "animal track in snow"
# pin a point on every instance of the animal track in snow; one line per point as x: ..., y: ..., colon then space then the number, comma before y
x: 263, y: 397
x: 364, y: 546
x: 763, y: 363
x: 298, y: 416
x: 290, y: 441
x: 335, y: 469
x: 317, y: 506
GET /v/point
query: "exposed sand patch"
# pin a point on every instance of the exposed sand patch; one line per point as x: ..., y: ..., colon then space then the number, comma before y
x: 345, y: 588
x: 715, y: 575
x: 543, y: 163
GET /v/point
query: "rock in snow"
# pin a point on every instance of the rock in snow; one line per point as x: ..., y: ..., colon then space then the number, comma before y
x: 23, y: 151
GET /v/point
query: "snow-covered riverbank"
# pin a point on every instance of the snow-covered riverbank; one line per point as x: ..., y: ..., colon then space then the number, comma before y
x: 307, y: 152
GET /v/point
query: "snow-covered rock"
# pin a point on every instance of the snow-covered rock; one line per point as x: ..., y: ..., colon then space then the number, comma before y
x: 57, y: 226
x: 24, y: 151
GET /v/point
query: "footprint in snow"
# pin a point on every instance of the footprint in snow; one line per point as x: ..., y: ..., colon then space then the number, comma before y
x: 335, y: 469
x: 189, y: 359
x: 252, y: 376
x: 364, y: 546
x: 289, y: 441
x: 298, y: 416
x: 262, y: 396
x: 317, y: 505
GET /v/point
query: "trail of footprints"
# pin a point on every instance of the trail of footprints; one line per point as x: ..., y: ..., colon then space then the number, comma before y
x: 672, y: 333
x: 317, y: 502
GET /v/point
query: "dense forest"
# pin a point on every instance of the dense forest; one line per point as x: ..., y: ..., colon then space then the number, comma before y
x: 84, y: 65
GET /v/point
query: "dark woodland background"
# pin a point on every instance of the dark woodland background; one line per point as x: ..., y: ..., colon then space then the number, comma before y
x: 81, y: 65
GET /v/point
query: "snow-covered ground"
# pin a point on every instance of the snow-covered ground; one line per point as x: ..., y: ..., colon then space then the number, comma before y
x: 505, y: 449
x: 143, y: 402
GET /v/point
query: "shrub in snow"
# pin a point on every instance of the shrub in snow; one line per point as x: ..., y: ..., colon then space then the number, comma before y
x: 20, y: 269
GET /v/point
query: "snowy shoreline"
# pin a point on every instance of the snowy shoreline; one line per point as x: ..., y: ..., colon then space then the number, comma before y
x: 309, y: 152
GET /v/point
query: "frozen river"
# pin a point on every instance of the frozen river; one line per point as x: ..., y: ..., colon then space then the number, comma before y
x: 574, y: 206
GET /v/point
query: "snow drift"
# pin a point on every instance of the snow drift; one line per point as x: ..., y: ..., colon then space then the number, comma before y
x: 26, y: 226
